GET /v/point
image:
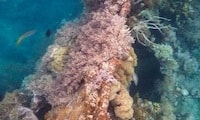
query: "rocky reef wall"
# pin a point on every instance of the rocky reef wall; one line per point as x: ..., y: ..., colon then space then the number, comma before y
x: 90, y: 71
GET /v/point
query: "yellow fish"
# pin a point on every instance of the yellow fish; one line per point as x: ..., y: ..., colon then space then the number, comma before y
x: 24, y: 36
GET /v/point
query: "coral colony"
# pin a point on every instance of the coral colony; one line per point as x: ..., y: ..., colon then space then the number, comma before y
x: 89, y: 72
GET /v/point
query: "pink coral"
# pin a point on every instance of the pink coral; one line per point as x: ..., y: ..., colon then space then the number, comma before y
x: 98, y: 65
x: 104, y: 37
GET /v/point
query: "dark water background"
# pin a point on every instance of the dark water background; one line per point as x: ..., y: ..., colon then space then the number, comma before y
x: 20, y: 16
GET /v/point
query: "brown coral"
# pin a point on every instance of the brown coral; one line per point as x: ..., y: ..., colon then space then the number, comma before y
x: 122, y: 104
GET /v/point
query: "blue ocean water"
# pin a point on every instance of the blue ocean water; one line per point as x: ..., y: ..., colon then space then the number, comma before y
x: 20, y: 16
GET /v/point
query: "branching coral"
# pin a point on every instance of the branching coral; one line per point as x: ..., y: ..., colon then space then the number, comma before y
x: 140, y: 29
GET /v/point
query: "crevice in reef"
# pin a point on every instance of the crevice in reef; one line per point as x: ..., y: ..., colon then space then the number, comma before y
x: 148, y: 72
x: 41, y: 113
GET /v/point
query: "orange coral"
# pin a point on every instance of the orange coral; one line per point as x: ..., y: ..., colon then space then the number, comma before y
x: 125, y: 68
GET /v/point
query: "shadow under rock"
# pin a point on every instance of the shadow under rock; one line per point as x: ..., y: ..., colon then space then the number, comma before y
x: 148, y: 72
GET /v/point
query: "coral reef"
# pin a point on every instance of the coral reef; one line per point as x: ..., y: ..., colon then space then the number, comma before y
x: 22, y: 113
x: 15, y: 106
x: 99, y: 58
x: 87, y: 72
x: 176, y: 50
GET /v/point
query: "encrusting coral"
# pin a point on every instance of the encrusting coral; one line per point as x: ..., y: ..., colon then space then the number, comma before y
x: 92, y: 75
x: 99, y: 58
x: 58, y: 55
x: 9, y: 102
x: 15, y: 106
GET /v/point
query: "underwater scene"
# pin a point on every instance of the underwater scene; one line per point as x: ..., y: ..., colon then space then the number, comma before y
x: 99, y: 60
x: 26, y: 30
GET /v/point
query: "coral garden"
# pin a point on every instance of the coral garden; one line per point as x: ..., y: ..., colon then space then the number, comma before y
x: 122, y: 60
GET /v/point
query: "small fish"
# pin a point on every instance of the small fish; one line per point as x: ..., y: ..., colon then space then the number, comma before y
x: 24, y: 36
x: 135, y: 79
x: 48, y: 33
